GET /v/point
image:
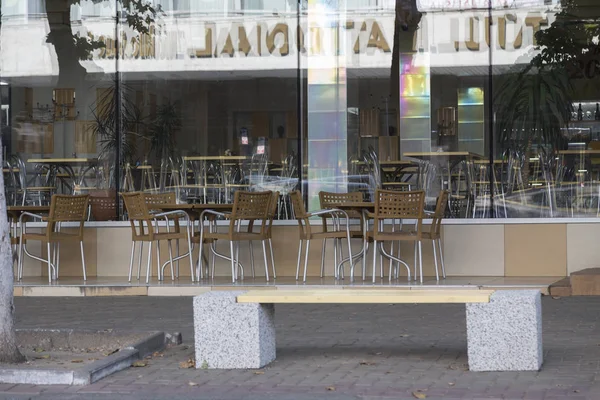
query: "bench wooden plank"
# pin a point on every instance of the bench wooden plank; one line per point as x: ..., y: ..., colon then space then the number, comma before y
x: 363, y: 296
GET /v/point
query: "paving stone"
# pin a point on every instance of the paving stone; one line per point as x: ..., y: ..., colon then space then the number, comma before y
x: 322, y: 346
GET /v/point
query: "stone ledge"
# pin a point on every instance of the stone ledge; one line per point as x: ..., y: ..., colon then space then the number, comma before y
x: 86, y: 374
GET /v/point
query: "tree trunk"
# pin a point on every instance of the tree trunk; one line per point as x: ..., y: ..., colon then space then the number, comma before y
x: 70, y: 70
x: 406, y: 23
x: 9, y: 352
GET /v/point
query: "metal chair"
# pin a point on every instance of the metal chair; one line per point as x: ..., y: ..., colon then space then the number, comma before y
x: 307, y: 234
x: 63, y: 208
x: 42, y: 186
x: 145, y: 228
x: 434, y: 233
x: 392, y: 205
x: 329, y: 200
x: 247, y: 206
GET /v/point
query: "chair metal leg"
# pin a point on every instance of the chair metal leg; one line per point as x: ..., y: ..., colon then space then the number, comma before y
x: 240, y: 270
x: 324, y: 246
x: 131, y: 259
x: 213, y: 260
x: 398, y: 264
x: 171, y: 259
x: 415, y: 264
x: 140, y: 260
x: 442, y: 258
x: 335, y: 258
x: 340, y: 271
x: 57, y: 262
x: 252, y: 258
x: 160, y: 277
x: 351, y: 259
x: 374, y: 260
x: 82, y: 261
x: 49, y: 265
x: 306, y: 259
x: 364, y: 258
x: 299, y: 257
x: 272, y: 258
x: 149, y: 261
x: 421, y: 261
x: 264, y: 246
x: 177, y: 250
x: 233, y: 263
x: 20, y: 259
x: 191, y: 257
x: 435, y: 260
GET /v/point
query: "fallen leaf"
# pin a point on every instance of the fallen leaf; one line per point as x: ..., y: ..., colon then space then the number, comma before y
x: 366, y: 363
x: 462, y: 367
x: 157, y: 354
x: 204, y: 365
x: 139, y: 364
x: 190, y: 363
x: 419, y: 395
x: 44, y: 357
x: 111, y: 352
x: 331, y: 388
x: 259, y: 372
x: 192, y: 384
x: 38, y: 350
x: 76, y: 361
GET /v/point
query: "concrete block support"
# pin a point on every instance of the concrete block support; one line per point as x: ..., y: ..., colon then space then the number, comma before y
x: 506, y: 333
x: 230, y: 335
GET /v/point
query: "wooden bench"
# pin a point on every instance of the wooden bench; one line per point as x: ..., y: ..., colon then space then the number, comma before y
x: 237, y: 329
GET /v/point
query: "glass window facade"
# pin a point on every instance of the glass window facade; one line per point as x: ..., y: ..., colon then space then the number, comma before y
x: 493, y: 100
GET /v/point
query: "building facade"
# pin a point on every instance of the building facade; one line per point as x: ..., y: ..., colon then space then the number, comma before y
x: 494, y: 100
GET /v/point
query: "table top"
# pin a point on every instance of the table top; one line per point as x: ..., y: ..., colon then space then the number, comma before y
x: 397, y: 163
x: 485, y: 161
x: 446, y: 154
x: 16, y: 211
x: 578, y: 152
x: 201, y: 207
x: 353, y: 205
x: 28, y: 208
x: 61, y: 160
x: 214, y: 158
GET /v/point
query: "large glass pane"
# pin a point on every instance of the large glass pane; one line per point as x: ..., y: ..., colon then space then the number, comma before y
x: 546, y: 110
x: 209, y: 100
x: 50, y: 78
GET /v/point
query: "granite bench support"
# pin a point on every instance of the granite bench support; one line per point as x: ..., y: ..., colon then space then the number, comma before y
x: 504, y: 334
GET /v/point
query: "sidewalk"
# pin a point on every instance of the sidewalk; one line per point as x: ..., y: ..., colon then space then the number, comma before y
x: 331, y: 352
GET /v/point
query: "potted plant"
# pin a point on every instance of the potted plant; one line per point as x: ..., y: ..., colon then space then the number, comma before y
x: 109, y: 112
x: 161, y: 136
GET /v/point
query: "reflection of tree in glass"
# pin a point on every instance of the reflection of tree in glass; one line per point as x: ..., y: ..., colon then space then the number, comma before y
x: 140, y: 15
x: 534, y: 102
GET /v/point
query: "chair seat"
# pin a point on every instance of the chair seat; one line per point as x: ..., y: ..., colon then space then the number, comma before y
x: 237, y: 236
x: 431, y: 236
x: 161, y: 236
x: 324, y: 235
x: 196, y: 239
x: 399, y: 235
x: 54, y: 237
